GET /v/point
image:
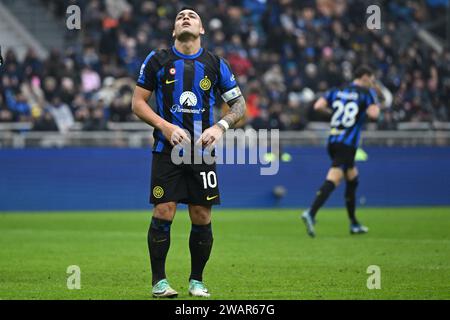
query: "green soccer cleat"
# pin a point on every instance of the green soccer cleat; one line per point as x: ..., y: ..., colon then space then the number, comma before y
x: 358, y: 229
x: 163, y: 290
x: 198, y: 289
x: 309, y: 223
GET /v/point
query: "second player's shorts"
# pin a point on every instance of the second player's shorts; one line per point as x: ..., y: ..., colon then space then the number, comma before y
x: 194, y: 184
x: 342, y: 156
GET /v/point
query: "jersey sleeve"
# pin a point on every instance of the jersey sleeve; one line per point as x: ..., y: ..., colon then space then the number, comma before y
x: 227, y: 85
x: 147, y: 74
x: 329, y: 97
x: 371, y: 98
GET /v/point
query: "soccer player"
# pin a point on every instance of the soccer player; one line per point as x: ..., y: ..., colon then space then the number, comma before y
x: 185, y: 79
x: 348, y: 107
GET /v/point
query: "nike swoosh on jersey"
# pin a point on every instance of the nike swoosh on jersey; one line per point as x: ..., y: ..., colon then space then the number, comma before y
x: 208, y: 198
x: 170, y: 81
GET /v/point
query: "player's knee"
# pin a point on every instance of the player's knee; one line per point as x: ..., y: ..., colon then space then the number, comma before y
x: 351, y: 174
x: 165, y: 211
x: 335, y: 180
x: 200, y: 215
x: 335, y: 175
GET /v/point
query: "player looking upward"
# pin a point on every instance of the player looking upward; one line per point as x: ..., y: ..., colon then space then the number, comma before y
x: 348, y: 107
x: 185, y: 79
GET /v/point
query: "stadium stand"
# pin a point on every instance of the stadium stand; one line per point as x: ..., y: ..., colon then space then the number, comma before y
x: 285, y: 53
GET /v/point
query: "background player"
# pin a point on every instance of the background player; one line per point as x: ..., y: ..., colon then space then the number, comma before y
x: 185, y: 79
x: 348, y: 107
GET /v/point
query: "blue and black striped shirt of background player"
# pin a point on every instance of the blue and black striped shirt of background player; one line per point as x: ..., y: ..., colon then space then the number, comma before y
x: 349, y: 105
x: 185, y: 88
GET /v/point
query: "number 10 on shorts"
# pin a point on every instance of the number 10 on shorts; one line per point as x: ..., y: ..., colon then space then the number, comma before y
x: 209, y: 179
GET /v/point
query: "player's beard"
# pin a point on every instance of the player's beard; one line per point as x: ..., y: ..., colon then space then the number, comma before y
x: 186, y: 36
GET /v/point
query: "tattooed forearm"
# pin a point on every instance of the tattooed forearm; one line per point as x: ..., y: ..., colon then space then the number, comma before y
x: 237, y: 111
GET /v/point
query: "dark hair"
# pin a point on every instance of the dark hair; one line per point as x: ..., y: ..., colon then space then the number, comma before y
x: 363, y: 70
x: 186, y: 8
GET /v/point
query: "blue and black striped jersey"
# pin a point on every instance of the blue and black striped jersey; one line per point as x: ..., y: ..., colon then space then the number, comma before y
x: 185, y: 89
x: 349, y: 105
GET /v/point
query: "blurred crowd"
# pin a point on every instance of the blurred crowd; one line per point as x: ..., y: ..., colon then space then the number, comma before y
x: 285, y: 53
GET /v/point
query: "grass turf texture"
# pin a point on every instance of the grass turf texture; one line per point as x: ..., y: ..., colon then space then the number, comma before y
x: 257, y: 254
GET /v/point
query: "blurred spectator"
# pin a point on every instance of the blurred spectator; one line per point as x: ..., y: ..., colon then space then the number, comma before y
x: 62, y: 115
x: 45, y: 122
x: 96, y: 121
x: 18, y: 105
x: 284, y: 53
x: 5, y: 114
x: 90, y: 80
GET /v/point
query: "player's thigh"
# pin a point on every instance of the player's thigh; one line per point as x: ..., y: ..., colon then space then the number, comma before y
x: 200, y: 214
x: 203, y: 185
x: 167, y: 180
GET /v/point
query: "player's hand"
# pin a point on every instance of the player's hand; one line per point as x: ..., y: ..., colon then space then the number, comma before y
x: 210, y: 136
x: 175, y: 134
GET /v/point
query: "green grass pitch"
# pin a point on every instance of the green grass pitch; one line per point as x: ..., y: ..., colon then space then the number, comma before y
x: 257, y: 254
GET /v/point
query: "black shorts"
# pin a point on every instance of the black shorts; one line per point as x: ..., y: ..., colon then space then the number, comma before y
x: 195, y: 184
x: 342, y: 156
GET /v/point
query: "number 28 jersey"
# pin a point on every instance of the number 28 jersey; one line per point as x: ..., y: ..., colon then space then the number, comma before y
x: 349, y: 105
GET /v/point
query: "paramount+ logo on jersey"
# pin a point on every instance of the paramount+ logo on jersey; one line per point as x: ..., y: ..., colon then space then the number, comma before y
x: 188, y: 102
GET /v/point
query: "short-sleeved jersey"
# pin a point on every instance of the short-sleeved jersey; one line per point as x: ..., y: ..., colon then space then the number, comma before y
x: 349, y: 105
x: 185, y: 88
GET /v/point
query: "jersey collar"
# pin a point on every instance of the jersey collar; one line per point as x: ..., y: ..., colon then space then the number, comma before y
x: 184, y: 56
